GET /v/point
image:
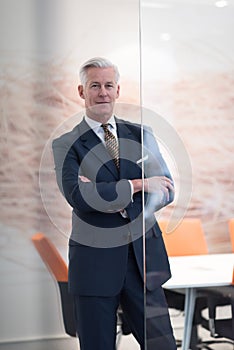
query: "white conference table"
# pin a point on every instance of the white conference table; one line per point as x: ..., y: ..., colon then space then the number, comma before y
x: 190, y: 273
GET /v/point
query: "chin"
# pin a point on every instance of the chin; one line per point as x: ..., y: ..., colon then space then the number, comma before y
x: 101, y: 110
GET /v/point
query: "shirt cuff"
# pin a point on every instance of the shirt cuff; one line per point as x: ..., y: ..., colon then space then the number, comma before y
x: 131, y: 189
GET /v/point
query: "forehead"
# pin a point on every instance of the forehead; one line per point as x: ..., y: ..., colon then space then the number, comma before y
x: 100, y: 74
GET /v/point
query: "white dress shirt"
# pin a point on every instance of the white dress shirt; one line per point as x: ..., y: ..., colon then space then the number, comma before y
x: 98, y: 129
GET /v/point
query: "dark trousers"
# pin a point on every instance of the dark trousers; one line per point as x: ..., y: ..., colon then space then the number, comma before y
x: 148, y: 318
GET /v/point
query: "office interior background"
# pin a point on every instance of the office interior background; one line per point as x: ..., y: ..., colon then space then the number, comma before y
x: 176, y: 60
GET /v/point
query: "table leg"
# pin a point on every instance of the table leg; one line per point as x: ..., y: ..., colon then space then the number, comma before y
x: 190, y: 297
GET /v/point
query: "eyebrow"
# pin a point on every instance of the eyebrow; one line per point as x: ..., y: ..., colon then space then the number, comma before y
x: 107, y: 82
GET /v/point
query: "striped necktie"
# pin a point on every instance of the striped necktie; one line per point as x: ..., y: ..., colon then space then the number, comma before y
x: 111, y: 144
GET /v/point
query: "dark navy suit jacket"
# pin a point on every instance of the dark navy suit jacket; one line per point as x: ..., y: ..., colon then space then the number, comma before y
x: 98, y: 247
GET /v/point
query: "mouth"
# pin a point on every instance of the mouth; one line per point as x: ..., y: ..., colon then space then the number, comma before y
x: 102, y: 103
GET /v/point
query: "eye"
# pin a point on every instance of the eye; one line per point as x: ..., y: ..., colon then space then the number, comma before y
x: 109, y: 86
x: 94, y: 86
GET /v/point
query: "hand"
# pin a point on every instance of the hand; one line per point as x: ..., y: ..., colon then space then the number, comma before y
x: 159, y: 184
x: 84, y: 178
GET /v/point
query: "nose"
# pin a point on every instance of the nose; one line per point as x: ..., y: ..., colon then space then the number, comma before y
x: 102, y: 91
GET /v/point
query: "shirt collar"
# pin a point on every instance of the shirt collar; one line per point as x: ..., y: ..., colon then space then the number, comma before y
x: 93, y: 124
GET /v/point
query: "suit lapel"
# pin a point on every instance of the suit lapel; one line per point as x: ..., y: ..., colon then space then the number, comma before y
x: 92, y: 143
x: 129, y: 146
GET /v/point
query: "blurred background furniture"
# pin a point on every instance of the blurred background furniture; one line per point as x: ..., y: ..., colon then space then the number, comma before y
x: 220, y: 298
x: 186, y: 239
x: 231, y: 232
x: 222, y: 326
x: 191, y: 275
x: 59, y: 270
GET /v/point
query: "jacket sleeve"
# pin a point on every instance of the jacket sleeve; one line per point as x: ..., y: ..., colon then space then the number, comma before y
x: 107, y: 197
x: 155, y: 165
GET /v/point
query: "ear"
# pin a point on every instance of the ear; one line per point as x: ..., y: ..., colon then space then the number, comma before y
x: 81, y: 91
x: 117, y: 92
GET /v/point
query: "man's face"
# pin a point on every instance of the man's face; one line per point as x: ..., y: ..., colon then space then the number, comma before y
x: 99, y: 93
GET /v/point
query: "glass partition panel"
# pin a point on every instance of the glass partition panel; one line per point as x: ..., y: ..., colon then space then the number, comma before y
x: 43, y: 46
x: 186, y: 84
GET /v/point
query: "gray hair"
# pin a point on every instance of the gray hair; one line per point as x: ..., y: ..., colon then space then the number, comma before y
x: 97, y: 62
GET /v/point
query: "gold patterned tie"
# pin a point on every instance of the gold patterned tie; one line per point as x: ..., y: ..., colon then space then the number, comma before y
x: 111, y: 144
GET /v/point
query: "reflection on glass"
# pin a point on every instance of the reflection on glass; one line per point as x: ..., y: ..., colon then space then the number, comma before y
x: 166, y: 167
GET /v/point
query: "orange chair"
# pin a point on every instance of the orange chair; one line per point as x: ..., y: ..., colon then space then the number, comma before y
x: 231, y: 232
x: 57, y: 266
x: 186, y: 239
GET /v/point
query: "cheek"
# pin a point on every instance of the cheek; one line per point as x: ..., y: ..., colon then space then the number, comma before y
x: 87, y: 101
x: 88, y: 98
x: 114, y: 95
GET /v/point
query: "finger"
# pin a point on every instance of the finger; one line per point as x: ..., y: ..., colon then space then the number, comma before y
x: 84, y: 178
x: 167, y: 179
x: 166, y: 187
x: 170, y: 187
x: 168, y: 183
x: 165, y: 191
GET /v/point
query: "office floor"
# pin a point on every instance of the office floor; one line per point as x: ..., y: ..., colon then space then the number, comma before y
x: 127, y: 343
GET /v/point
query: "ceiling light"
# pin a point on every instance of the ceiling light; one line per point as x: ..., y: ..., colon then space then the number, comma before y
x: 221, y: 3
x: 165, y: 36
